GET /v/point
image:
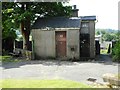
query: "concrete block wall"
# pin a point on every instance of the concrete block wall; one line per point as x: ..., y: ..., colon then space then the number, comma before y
x: 45, y: 47
x: 44, y: 43
x: 92, y: 38
x: 91, y: 31
x: 73, y: 42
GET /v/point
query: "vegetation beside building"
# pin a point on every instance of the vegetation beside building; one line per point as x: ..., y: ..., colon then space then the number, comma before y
x: 116, y: 52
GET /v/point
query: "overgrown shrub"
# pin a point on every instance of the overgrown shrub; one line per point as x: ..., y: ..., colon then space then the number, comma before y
x: 116, y: 52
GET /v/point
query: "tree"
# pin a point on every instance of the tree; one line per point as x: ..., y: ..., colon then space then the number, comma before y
x: 102, y: 35
x: 8, y: 30
x: 103, y: 32
x: 118, y: 35
x: 23, y: 14
x: 116, y: 48
x: 98, y: 33
x: 116, y: 52
x: 108, y: 37
x: 0, y: 30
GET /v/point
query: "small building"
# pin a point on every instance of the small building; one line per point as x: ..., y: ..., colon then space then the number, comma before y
x: 63, y: 37
x: 87, y: 37
x: 56, y: 37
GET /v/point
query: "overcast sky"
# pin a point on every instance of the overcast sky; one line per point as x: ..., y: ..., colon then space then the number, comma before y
x: 105, y: 10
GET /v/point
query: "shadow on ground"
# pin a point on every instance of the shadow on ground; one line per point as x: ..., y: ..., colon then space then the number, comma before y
x: 102, y: 59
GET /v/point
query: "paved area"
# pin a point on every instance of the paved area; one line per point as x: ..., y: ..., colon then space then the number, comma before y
x: 56, y: 69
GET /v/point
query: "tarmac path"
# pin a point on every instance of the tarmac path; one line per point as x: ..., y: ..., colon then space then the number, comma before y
x: 54, y: 69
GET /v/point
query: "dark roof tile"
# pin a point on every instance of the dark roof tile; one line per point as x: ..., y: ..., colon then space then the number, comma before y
x: 90, y: 18
x: 57, y: 22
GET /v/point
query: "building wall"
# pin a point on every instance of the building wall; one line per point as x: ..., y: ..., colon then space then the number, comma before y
x: 88, y: 27
x: 85, y: 28
x: 73, y: 42
x: 44, y: 43
x: 92, y: 38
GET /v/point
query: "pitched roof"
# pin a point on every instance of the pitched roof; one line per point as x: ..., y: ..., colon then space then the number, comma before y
x: 57, y: 22
x: 61, y: 22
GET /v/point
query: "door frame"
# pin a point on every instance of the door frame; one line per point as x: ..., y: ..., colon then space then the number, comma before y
x: 56, y: 44
x: 88, y: 44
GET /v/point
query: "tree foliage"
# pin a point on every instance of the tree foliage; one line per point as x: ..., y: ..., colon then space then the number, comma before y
x: 107, y: 35
x: 116, y: 52
x: 8, y: 25
x: 97, y: 33
x: 23, y: 15
x: 116, y: 49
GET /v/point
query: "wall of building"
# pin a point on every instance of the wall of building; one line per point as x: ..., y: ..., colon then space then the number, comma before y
x: 85, y: 28
x: 44, y: 43
x: 73, y: 44
x: 88, y: 27
x: 92, y: 38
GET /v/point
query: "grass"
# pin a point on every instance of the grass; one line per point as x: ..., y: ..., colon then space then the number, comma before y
x: 117, y: 76
x: 16, y: 83
x: 103, y: 51
x: 8, y: 59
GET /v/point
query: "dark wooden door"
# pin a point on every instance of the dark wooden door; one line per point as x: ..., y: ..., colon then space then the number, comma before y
x: 60, y: 43
x: 84, y: 45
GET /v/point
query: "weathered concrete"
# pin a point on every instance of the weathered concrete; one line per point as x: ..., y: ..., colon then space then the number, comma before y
x: 89, y: 28
x: 45, y: 47
x: 92, y: 38
x: 73, y: 42
x: 85, y: 29
x: 44, y: 43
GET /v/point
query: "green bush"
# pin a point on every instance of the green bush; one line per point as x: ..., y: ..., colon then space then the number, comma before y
x: 116, y: 52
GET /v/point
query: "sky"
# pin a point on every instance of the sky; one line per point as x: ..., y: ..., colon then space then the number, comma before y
x: 106, y: 11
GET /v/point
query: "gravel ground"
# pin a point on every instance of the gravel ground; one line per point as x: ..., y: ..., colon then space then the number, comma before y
x: 54, y: 69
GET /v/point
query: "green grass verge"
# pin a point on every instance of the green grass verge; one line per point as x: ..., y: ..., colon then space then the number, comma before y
x: 117, y: 76
x: 15, y: 83
x: 8, y: 59
x: 103, y: 51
